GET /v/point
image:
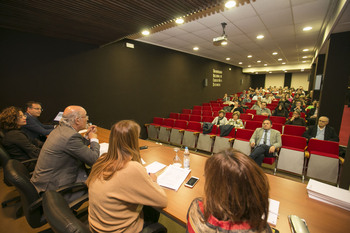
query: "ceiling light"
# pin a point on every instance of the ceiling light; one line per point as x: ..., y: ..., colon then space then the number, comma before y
x: 230, y: 4
x: 274, y: 53
x: 260, y: 37
x: 304, y: 61
x: 224, y: 43
x: 307, y: 28
x: 304, y: 57
x: 195, y: 48
x: 179, y: 21
x: 256, y: 73
x: 270, y: 72
x: 302, y: 70
x: 283, y: 63
x: 258, y: 61
x: 145, y: 32
x: 305, y: 50
x: 227, y: 58
x: 285, y: 71
x: 280, y: 59
x: 265, y: 64
x: 249, y: 56
x: 249, y: 66
x: 240, y: 63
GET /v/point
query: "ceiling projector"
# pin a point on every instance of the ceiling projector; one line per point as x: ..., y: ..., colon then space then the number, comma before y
x: 221, y: 40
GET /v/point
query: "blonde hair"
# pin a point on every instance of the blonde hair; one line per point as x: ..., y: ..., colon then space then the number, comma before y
x: 123, y: 147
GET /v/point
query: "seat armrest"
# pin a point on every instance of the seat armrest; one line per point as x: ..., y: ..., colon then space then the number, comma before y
x: 78, y: 202
x: 168, y: 129
x: 181, y: 131
x: 341, y: 160
x: 212, y: 136
x: 147, y: 125
x: 29, y: 161
x: 195, y: 133
x: 157, y: 126
x: 307, y: 154
x: 231, y: 139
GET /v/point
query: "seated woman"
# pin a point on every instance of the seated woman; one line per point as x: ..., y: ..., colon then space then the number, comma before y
x: 281, y: 111
x: 296, y: 119
x: 15, y: 142
x: 238, y: 204
x: 257, y: 105
x: 120, y: 190
x: 235, y: 121
x: 221, y: 119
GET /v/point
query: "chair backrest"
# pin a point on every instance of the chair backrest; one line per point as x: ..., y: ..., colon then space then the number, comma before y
x: 174, y: 115
x: 245, y: 116
x: 244, y: 134
x: 192, y: 125
x: 197, y: 118
x: 278, y: 119
x: 206, y: 108
x: 181, y: 124
x: 207, y: 113
x: 206, y: 104
x: 60, y: 216
x: 187, y: 111
x: 259, y: 118
x: 158, y: 120
x: 169, y: 122
x: 18, y: 175
x: 278, y: 127
x: 197, y: 107
x: 196, y: 112
x: 213, y: 104
x: 293, y: 142
x: 185, y: 117
x: 294, y: 130
x: 323, y: 146
x: 216, y: 108
x: 229, y: 115
x: 253, y: 125
x: 207, y: 119
x: 250, y: 111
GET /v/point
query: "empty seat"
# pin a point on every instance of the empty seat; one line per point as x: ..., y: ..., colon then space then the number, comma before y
x: 294, y: 130
x: 207, y: 113
x: 222, y: 143
x: 260, y: 118
x: 292, y: 157
x: 177, y: 132
x: 197, y: 118
x: 278, y: 127
x: 216, y: 108
x: 197, y: 107
x: 185, y: 117
x: 165, y: 129
x: 205, y: 141
x: 251, y: 111
x: 229, y: 115
x: 278, y: 119
x: 174, y: 115
x: 207, y: 119
x: 153, y: 128
x: 206, y: 108
x: 245, y: 116
x: 241, y: 141
x: 187, y: 111
x: 323, y: 160
x: 253, y: 125
x: 191, y: 134
x: 196, y: 112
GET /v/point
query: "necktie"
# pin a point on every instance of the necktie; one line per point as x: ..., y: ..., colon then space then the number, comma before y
x: 265, y: 136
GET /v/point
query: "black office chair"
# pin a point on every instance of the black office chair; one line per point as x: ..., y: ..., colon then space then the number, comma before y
x: 18, y: 175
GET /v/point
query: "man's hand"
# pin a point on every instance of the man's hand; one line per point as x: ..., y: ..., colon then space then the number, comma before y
x: 252, y: 144
x: 264, y: 114
x: 91, y: 131
x: 272, y: 149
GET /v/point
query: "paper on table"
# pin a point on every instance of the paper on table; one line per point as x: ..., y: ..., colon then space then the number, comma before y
x: 155, y: 167
x: 143, y: 161
x: 273, y: 211
x: 103, y: 148
x: 173, y: 177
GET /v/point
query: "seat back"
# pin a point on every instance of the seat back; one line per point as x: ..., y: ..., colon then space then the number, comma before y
x: 169, y: 122
x: 174, y: 115
x: 278, y: 119
x: 294, y: 142
x: 206, y: 108
x: 322, y: 147
x: 60, y: 216
x: 187, y: 111
x: 259, y: 118
x: 18, y: 175
x: 185, y: 117
x: 181, y: 124
x: 229, y: 115
x: 207, y: 113
x: 251, y: 111
x: 216, y: 108
x: 294, y: 130
x: 253, y: 125
x: 196, y: 126
x: 244, y: 134
x: 206, y: 104
x: 197, y: 107
x: 197, y: 118
x: 196, y: 112
x: 158, y: 120
x: 207, y: 119
x: 245, y: 116
x: 278, y: 127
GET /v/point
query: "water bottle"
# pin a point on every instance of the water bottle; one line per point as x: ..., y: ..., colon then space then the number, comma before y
x: 176, y: 160
x: 186, y: 159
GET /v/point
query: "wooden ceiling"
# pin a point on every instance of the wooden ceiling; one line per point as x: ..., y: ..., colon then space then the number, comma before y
x: 96, y: 22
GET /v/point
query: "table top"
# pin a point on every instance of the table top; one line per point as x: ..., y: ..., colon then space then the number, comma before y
x: 292, y: 195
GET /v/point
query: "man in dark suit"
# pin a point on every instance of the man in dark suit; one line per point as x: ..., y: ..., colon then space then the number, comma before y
x: 321, y: 131
x: 265, y: 141
x: 34, y: 129
x: 62, y: 158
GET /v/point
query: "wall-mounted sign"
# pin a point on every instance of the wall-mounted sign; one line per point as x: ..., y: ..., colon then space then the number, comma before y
x: 217, y: 78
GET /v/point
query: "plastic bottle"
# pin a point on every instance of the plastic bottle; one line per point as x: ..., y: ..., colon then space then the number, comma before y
x: 186, y: 159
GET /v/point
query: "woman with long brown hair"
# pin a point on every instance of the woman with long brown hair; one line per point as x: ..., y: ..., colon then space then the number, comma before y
x: 236, y: 193
x: 119, y: 185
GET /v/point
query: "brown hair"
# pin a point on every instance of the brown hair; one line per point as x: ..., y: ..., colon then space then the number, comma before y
x: 236, y: 189
x: 123, y: 147
x: 9, y: 117
x: 236, y: 113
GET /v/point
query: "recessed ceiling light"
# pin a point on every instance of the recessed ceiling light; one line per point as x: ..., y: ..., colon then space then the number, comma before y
x: 274, y: 53
x: 230, y: 4
x: 305, y: 50
x: 195, y: 48
x: 283, y: 63
x: 227, y: 58
x: 307, y: 28
x: 280, y: 59
x: 304, y: 61
x: 249, y: 66
x: 224, y: 43
x: 285, y: 71
x: 256, y: 73
x: 179, y: 21
x: 260, y: 37
x: 265, y: 64
x: 240, y: 63
x: 145, y: 32
x: 304, y: 57
x: 258, y: 61
x: 270, y: 72
x: 249, y: 56
x: 302, y: 70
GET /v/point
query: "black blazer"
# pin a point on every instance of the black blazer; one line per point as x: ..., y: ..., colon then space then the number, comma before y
x: 329, y: 134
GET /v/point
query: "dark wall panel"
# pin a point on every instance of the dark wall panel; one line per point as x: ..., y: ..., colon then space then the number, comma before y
x: 258, y: 80
x: 113, y: 82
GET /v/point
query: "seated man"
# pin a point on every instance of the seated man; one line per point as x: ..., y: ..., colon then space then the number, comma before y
x: 298, y: 106
x: 296, y: 119
x: 34, y: 129
x: 264, y: 141
x: 321, y: 131
x: 263, y: 110
x: 62, y: 158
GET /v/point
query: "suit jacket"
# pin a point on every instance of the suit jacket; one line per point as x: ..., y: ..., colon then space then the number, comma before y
x: 329, y: 134
x: 34, y: 128
x: 61, y: 160
x: 275, y: 137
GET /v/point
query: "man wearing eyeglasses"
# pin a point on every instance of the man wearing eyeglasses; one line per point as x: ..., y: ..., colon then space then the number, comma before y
x: 34, y: 129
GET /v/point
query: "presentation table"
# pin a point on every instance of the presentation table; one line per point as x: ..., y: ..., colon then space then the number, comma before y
x: 293, y: 198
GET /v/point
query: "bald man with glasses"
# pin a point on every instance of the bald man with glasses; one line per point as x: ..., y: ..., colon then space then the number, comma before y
x: 321, y: 131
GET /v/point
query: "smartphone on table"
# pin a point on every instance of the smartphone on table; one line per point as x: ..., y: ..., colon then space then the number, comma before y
x: 191, y: 182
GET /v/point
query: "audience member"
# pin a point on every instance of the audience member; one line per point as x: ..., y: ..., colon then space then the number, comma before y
x: 312, y: 114
x: 256, y: 106
x: 119, y: 186
x: 62, y: 158
x: 263, y: 110
x: 285, y: 102
x: 281, y: 111
x: 235, y: 121
x: 14, y: 141
x: 225, y: 98
x: 298, y: 106
x: 236, y: 193
x: 236, y: 107
x: 264, y: 142
x: 296, y: 119
x: 34, y: 128
x: 221, y: 119
x: 321, y: 131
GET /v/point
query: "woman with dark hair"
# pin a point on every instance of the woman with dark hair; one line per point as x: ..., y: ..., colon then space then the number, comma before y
x: 281, y: 111
x: 236, y: 193
x: 15, y: 142
x: 120, y: 190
